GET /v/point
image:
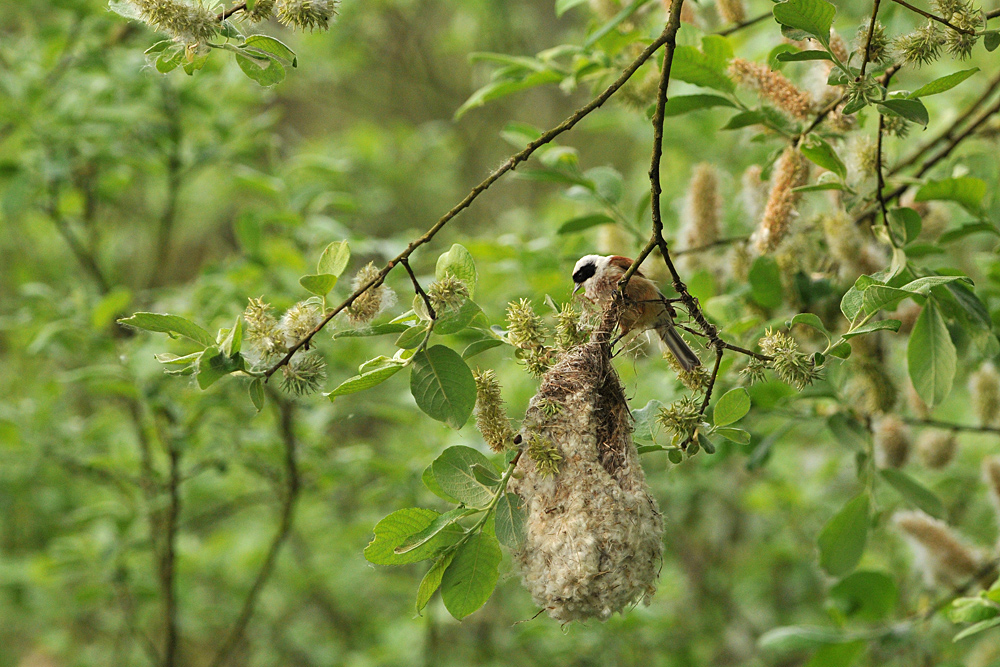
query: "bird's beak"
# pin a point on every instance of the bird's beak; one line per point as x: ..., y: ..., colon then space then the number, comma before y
x: 577, y: 288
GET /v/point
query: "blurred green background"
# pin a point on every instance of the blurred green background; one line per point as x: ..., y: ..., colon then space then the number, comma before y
x: 123, y: 190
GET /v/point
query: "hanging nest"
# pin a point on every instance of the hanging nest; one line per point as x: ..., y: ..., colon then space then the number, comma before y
x: 594, y: 532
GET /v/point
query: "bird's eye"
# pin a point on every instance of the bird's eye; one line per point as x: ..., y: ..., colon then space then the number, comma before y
x: 583, y: 273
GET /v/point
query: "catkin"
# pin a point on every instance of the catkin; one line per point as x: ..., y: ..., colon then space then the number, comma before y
x: 772, y: 86
x: 731, y: 11
x: 944, y: 557
x: 701, y: 227
x: 936, y: 449
x: 892, y: 443
x: 790, y: 172
x: 984, y: 386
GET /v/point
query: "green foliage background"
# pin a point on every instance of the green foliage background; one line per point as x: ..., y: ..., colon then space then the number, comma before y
x: 192, y: 194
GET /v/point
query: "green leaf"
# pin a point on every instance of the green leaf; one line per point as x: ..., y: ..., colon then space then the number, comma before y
x: 966, y: 230
x: 877, y: 297
x: 732, y: 407
x: 412, y: 337
x: 812, y: 16
x: 470, y: 579
x: 584, y: 222
x: 744, y: 119
x: 562, y: 6
x: 906, y: 223
x: 169, y: 324
x: 912, y: 110
x: 914, y: 492
x: 432, y: 530
x: 443, y: 386
x: 334, y: 258
x: 681, y: 104
x: 842, y: 540
x: 991, y: 40
x: 267, y: 72
x: 256, y: 390
x: 430, y: 481
x: 456, y: 319
x: 867, y: 595
x: 798, y: 638
x: 965, y: 190
x: 972, y: 610
x: 930, y: 356
x: 613, y: 23
x: 458, y: 262
x: 510, y: 520
x: 841, y: 351
x: 274, y: 47
x: 432, y: 580
x: 393, y: 530
x: 821, y: 153
x: 810, y: 320
x: 504, y: 87
x: 454, y: 474
x: 880, y: 325
x: 214, y: 365
x: 765, y: 282
x: 924, y: 285
x: 796, y: 56
x: 607, y: 182
x: 320, y: 285
x: 374, y: 330
x: 848, y: 431
x: 372, y: 375
x: 737, y: 435
x: 480, y: 346
x: 644, y: 421
x: 126, y: 9
x: 977, y: 628
x: 942, y: 84
x: 693, y: 66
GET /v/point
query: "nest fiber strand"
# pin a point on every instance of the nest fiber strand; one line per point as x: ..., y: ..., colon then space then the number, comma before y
x: 594, y: 532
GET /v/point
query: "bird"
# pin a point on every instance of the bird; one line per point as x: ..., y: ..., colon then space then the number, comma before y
x: 646, y: 308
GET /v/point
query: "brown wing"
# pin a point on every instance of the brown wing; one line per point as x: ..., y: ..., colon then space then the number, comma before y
x: 622, y: 263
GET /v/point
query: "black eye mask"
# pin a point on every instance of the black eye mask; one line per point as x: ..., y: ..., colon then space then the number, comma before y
x: 584, y: 272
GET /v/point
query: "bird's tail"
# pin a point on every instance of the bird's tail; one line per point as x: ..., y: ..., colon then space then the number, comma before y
x: 678, y: 347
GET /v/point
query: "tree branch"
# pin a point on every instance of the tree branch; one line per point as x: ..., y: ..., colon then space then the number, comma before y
x: 868, y: 40
x: 86, y: 260
x: 168, y: 560
x: 744, y: 24
x: 510, y: 164
x: 952, y: 426
x: 932, y: 17
x: 286, y: 427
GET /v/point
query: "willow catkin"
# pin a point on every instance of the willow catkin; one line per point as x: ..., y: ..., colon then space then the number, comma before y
x: 773, y: 87
x: 701, y: 226
x: 491, y: 413
x: 892, y: 442
x: 936, y: 449
x: 189, y: 23
x: 790, y: 172
x: 991, y: 475
x: 942, y: 555
x: 984, y: 386
x: 731, y: 11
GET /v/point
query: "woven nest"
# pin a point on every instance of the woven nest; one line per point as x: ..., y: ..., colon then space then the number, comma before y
x: 594, y: 532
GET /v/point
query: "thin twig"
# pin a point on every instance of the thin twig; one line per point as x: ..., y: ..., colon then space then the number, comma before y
x: 168, y: 561
x: 418, y: 289
x: 868, y: 41
x: 286, y: 427
x: 86, y: 260
x: 510, y: 164
x: 951, y: 426
x: 165, y: 227
x: 928, y: 15
x: 240, y: 7
x: 743, y: 24
x: 710, y: 246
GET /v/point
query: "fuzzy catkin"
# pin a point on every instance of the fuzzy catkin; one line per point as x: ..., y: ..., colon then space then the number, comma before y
x: 773, y: 87
x: 702, y: 208
x: 307, y: 14
x: 594, y: 532
x: 491, y: 415
x: 790, y: 172
x: 991, y: 475
x: 984, y: 386
x: 936, y: 449
x: 892, y: 442
x: 191, y: 23
x: 941, y: 553
x: 731, y: 11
